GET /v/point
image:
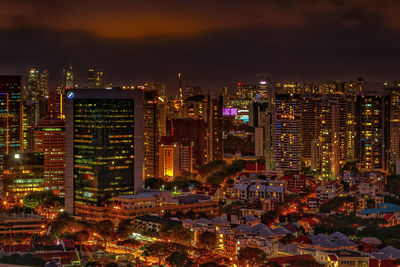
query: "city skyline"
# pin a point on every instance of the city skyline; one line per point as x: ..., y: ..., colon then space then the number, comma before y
x: 222, y: 133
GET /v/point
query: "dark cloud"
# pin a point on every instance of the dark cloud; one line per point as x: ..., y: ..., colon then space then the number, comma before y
x: 212, y: 42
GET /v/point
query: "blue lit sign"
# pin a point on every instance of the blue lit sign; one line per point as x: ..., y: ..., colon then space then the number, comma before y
x: 70, y: 95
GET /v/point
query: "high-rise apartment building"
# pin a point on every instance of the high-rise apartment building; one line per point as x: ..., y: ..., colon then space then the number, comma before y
x: 215, y: 148
x: 329, y: 137
x: 191, y: 132
x: 288, y: 137
x: 392, y: 125
x: 175, y: 158
x: 195, y: 107
x: 10, y: 115
x: 103, y: 146
x: 154, y: 128
x: 370, y: 129
x: 49, y: 136
x: 311, y: 116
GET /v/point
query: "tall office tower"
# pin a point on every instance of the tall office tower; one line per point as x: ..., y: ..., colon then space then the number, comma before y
x: 310, y: 89
x: 311, y: 115
x: 370, y: 138
x: 258, y: 116
x: 288, y: 143
x: 392, y: 125
x: 32, y: 91
x: 195, y: 107
x: 264, y: 85
x: 225, y: 92
x: 69, y: 77
x: 10, y: 115
x: 329, y: 137
x: 351, y: 135
x: 22, y: 174
x: 31, y: 112
x: 290, y: 88
x: 158, y: 87
x: 189, y: 90
x: 175, y: 158
x: 246, y: 91
x: 343, y: 128
x: 316, y: 156
x: 215, y: 148
x: 330, y: 87
x: 44, y: 83
x: 191, y: 132
x: 92, y: 78
x: 257, y: 113
x: 99, y: 79
x: 154, y: 128
x: 259, y: 141
x: 67, y: 80
x: 103, y: 146
x: 269, y: 126
x: 95, y: 79
x: 49, y: 136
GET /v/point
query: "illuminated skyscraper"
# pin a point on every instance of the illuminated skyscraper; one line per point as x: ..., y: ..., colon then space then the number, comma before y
x: 175, y: 158
x: 288, y: 143
x: 370, y: 138
x: 92, y: 78
x: 195, y: 107
x: 215, y: 148
x: 69, y: 77
x: 392, y: 125
x: 67, y: 80
x: 246, y: 91
x: 154, y: 128
x: 104, y: 146
x: 329, y: 137
x: 99, y: 79
x: 32, y: 91
x: 31, y: 112
x: 311, y: 115
x: 10, y: 115
x: 95, y: 79
x: 44, y: 83
x: 193, y: 133
x: 49, y: 139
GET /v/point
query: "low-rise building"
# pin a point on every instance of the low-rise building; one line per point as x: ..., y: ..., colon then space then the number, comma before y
x: 21, y: 223
x: 380, y: 211
x: 328, y: 191
x: 371, y: 187
x: 150, y: 202
x: 131, y: 206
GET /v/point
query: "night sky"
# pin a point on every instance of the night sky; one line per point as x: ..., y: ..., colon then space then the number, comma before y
x: 213, y: 42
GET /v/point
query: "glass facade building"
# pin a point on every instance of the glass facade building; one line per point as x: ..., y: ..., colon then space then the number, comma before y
x: 104, y: 145
x: 10, y: 115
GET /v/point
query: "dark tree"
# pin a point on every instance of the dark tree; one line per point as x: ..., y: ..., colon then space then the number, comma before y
x: 207, y: 240
x: 251, y: 256
x: 177, y: 259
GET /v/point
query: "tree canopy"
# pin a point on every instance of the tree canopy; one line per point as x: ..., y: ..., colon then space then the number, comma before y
x: 207, y: 240
x: 252, y: 256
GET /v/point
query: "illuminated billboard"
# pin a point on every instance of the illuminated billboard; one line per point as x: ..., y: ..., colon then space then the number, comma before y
x: 230, y: 111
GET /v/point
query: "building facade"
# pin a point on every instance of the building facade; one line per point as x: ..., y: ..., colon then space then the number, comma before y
x: 104, y: 146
